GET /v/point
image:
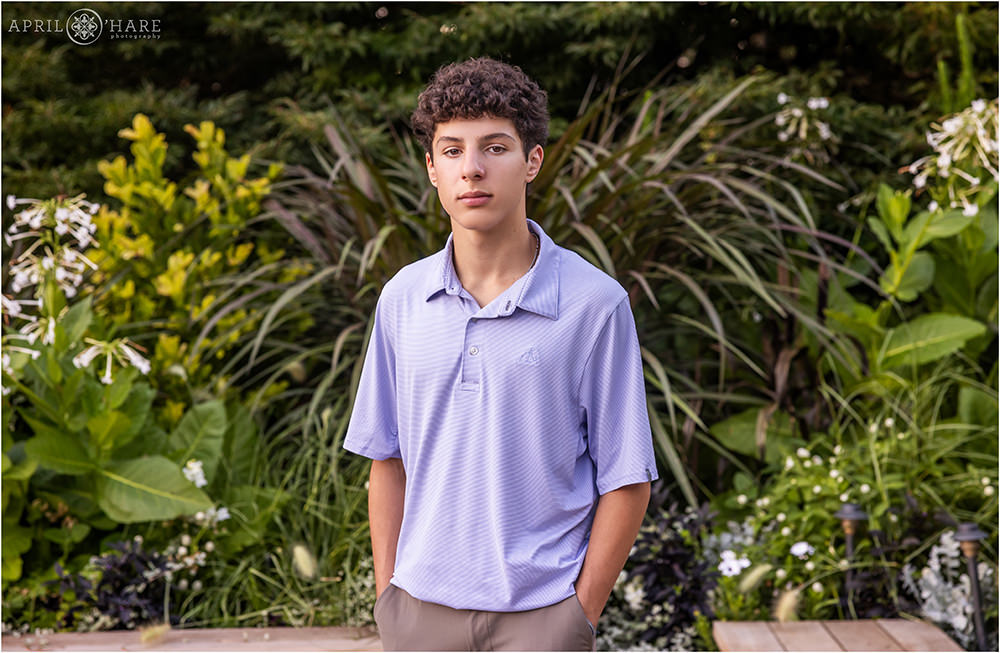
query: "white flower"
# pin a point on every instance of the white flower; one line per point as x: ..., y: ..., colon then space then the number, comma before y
x: 810, y: 566
x: 817, y: 587
x: 780, y: 517
x: 193, y: 472
x: 209, y: 546
x: 196, y: 586
x: 817, y: 489
x: 873, y: 428
x: 817, y: 460
x: 730, y: 565
x: 87, y: 356
x: 844, y: 497
x: 979, y: 106
x: 865, y: 488
x: 920, y: 180
x: 763, y: 502
x: 186, y: 539
x: 802, y: 550
x: 837, y: 450
x: 789, y: 462
x: 802, y: 452
x: 781, y: 119
x: 781, y: 574
x: 843, y: 564
x: 742, y: 499
x: 11, y: 202
x: 782, y: 99
x: 834, y: 473
x: 182, y: 551
x: 134, y: 358
x: 222, y: 514
x: 988, y: 490
x: 786, y: 531
x: 782, y: 136
x: 824, y: 130
x: 970, y: 210
x: 933, y: 206
x: 900, y: 436
x: 944, y: 160
x: 985, y: 480
x: 888, y: 423
x: 634, y: 594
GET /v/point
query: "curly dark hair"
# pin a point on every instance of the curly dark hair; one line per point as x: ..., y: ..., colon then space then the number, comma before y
x: 483, y: 87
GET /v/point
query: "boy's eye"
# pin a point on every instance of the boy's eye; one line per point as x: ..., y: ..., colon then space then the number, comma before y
x: 451, y: 151
x: 496, y: 149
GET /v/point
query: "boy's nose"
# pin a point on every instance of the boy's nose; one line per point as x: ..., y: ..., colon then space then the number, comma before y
x: 472, y: 167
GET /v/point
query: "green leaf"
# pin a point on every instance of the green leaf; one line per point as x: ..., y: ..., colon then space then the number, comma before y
x: 147, y: 489
x: 945, y: 224
x: 21, y: 471
x: 878, y: 228
x: 105, y: 428
x: 136, y: 407
x: 15, y: 541
x: 927, y: 338
x: 240, y: 445
x: 977, y: 407
x: 56, y: 450
x: 77, y: 320
x: 199, y: 436
x: 893, y: 209
x: 916, y: 278
x: 739, y: 433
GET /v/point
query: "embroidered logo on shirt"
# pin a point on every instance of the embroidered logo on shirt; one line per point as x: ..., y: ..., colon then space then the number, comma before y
x: 529, y: 357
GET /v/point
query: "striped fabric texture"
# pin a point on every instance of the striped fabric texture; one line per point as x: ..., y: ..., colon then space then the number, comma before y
x: 510, y: 419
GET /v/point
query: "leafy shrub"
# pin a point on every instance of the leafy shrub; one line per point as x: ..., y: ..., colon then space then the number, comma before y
x: 662, y: 599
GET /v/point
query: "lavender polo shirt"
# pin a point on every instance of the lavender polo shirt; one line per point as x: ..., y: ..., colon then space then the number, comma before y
x: 510, y: 420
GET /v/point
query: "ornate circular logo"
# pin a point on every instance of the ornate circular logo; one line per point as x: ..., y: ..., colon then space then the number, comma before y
x: 84, y: 26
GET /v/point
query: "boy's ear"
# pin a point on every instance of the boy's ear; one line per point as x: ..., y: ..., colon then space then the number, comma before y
x: 431, y: 172
x: 535, y: 157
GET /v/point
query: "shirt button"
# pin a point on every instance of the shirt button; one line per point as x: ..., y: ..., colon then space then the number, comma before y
x: 473, y: 350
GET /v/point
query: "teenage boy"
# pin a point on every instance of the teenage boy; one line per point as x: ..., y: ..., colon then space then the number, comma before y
x: 502, y: 401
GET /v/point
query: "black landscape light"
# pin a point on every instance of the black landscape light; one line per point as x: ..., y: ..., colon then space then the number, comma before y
x: 968, y: 536
x: 851, y: 518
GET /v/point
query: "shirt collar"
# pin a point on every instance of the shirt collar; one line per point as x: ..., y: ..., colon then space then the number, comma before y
x: 537, y: 291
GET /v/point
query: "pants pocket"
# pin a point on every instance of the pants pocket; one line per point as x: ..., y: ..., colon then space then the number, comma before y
x: 583, y: 616
x: 381, y: 600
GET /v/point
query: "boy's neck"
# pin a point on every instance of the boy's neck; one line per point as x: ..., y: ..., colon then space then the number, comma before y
x: 487, y: 263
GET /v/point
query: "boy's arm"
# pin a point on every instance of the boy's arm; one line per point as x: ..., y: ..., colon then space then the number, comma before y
x: 616, y: 524
x: 386, y: 489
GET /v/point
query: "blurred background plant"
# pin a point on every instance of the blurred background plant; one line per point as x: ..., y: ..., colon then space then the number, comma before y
x: 799, y: 198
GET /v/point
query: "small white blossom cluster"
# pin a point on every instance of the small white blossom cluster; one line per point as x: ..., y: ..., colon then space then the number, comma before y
x: 46, y: 223
x: 194, y: 472
x: 802, y: 550
x: 944, y: 591
x: 730, y: 565
x: 120, y: 349
x: 797, y: 122
x: 211, y: 517
x: 965, y: 148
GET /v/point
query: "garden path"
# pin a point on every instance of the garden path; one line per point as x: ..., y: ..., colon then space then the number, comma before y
x: 203, y: 639
x: 859, y: 635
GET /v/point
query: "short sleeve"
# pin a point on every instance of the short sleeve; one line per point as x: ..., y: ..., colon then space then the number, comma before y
x: 372, y: 431
x: 613, y: 401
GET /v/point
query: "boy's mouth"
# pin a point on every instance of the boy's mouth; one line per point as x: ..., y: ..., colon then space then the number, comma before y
x: 474, y: 198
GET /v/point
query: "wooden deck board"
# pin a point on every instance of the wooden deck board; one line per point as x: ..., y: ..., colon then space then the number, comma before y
x: 860, y: 635
x: 205, y: 639
x: 804, y: 636
x: 745, y: 636
x: 918, y: 636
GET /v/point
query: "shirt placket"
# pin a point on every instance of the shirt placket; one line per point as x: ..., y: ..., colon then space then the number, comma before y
x: 472, y: 356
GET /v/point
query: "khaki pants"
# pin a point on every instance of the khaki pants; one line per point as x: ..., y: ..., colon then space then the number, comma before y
x: 409, y: 624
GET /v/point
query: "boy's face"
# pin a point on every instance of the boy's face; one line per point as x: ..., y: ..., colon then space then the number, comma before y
x: 480, y: 172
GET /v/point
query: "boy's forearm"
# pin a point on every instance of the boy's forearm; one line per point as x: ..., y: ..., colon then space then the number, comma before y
x: 386, y: 490
x: 616, y: 523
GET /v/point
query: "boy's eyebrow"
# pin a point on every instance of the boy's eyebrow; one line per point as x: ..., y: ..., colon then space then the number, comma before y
x: 487, y: 137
